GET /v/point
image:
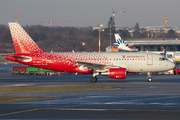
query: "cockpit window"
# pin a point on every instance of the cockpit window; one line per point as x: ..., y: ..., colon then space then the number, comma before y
x: 162, y: 59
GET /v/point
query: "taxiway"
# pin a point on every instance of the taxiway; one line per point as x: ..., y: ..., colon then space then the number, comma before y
x: 133, y: 98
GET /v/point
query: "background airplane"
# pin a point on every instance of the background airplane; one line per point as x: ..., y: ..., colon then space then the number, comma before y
x: 114, y: 65
x: 121, y: 45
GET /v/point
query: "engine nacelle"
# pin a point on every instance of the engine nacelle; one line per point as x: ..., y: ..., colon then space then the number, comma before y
x: 116, y: 73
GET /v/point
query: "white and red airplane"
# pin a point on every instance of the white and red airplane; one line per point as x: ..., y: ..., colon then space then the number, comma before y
x: 114, y: 65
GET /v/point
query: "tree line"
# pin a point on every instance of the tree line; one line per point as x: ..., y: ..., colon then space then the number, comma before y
x: 66, y: 39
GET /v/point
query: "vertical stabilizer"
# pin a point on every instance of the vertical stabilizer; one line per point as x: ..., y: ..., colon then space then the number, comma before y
x: 23, y: 43
x: 122, y: 46
x: 120, y: 42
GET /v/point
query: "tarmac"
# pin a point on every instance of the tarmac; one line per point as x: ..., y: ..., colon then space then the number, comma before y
x: 133, y: 98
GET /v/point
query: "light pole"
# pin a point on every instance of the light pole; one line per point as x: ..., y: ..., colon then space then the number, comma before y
x: 100, y: 25
x: 110, y: 36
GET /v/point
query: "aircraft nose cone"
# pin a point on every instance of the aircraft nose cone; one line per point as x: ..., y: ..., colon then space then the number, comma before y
x: 171, y: 65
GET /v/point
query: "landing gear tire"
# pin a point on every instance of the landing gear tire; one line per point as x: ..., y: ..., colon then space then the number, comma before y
x: 149, y: 76
x: 149, y: 79
x: 93, y: 79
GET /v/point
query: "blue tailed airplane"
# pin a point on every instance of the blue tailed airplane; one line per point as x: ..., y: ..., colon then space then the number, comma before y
x: 121, y: 45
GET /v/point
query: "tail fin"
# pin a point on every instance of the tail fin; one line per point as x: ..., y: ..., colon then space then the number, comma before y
x: 23, y: 43
x: 122, y: 46
x: 119, y: 41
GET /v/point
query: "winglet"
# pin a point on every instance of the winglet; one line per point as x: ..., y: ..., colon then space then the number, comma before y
x: 23, y: 43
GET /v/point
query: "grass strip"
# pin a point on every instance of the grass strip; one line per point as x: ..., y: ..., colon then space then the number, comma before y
x: 16, y: 99
x: 49, y: 89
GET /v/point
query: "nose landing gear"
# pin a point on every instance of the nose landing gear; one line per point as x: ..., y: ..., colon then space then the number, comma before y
x: 149, y: 77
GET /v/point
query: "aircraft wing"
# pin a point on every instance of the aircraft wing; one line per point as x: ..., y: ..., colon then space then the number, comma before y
x: 96, y: 67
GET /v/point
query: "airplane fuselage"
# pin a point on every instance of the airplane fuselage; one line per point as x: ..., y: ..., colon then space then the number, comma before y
x: 114, y: 65
x: 66, y: 61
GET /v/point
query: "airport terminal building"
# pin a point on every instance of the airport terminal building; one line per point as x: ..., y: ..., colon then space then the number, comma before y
x: 152, y: 45
x: 149, y: 43
x: 155, y: 45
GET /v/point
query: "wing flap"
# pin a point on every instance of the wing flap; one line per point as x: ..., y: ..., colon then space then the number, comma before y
x: 95, y: 67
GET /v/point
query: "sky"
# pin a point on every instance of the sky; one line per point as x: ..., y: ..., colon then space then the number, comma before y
x: 85, y: 13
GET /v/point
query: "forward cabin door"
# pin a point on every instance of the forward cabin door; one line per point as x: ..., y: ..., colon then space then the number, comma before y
x: 149, y: 59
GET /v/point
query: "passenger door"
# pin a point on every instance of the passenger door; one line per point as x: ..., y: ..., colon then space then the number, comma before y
x: 149, y: 59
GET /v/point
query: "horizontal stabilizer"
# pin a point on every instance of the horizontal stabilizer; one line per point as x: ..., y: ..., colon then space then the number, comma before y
x: 21, y: 58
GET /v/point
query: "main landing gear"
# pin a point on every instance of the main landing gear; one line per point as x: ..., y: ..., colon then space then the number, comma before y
x: 94, y: 78
x: 149, y: 77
